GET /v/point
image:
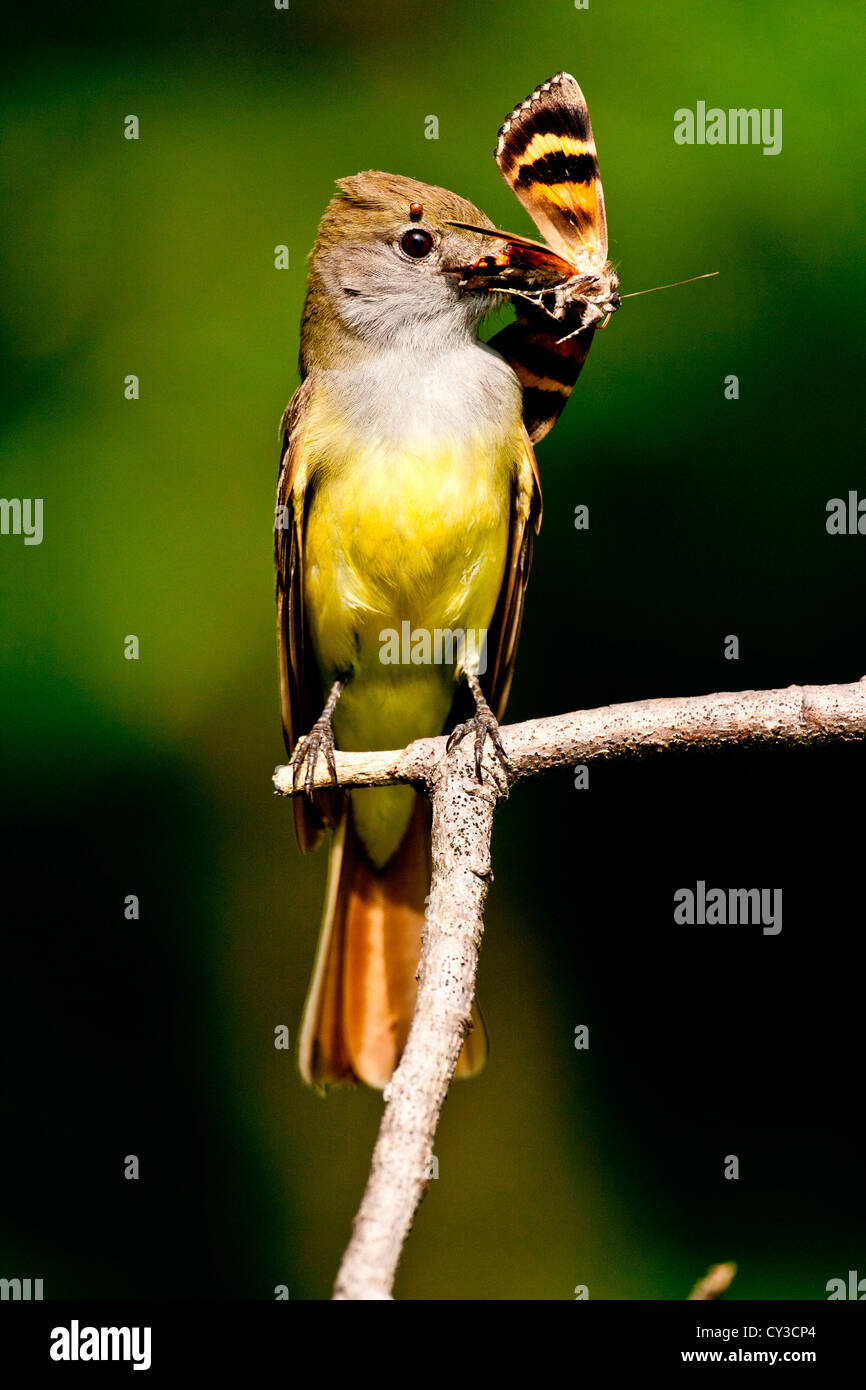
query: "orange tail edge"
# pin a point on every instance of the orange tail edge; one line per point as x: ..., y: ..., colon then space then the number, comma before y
x: 362, y: 995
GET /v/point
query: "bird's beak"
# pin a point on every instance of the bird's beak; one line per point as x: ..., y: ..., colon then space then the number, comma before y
x: 513, y: 264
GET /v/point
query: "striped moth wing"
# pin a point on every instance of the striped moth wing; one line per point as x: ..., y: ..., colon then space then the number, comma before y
x: 546, y: 154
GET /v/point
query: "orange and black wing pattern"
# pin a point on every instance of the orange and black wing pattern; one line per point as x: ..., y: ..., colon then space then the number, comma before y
x: 546, y: 154
x: 546, y: 364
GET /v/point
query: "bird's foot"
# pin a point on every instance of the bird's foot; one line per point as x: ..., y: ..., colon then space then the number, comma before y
x: 484, y: 725
x: 320, y: 739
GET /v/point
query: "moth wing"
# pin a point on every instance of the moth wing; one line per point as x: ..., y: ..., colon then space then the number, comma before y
x: 546, y: 153
x: 546, y: 364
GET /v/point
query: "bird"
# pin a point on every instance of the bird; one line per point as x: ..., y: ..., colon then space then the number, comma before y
x: 408, y: 492
x: 407, y: 503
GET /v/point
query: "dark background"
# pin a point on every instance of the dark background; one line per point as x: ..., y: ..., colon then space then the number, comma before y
x: 707, y: 518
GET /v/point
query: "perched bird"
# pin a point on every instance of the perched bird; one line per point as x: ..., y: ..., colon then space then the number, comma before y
x: 408, y: 493
x: 407, y: 500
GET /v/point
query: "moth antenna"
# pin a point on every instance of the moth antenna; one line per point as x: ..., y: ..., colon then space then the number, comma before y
x: 707, y: 276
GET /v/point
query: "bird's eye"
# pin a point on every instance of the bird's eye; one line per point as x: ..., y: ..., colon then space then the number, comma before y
x: 416, y: 243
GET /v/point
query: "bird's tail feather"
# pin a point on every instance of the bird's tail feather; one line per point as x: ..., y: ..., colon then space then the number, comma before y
x: 362, y: 995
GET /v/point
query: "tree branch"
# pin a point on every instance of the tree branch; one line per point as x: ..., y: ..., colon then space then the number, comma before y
x: 453, y: 926
x: 462, y: 825
x: 798, y: 714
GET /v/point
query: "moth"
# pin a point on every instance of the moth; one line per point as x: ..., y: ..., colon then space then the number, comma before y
x: 546, y: 153
x: 565, y: 287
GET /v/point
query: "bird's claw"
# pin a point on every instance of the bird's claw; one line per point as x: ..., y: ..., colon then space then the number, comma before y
x: 484, y: 725
x: 320, y: 739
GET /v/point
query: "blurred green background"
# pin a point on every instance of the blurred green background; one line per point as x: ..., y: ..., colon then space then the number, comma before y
x: 156, y: 257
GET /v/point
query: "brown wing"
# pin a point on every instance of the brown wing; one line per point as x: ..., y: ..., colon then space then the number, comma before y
x: 546, y: 364
x: 301, y: 695
x: 546, y: 154
x: 505, y: 627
